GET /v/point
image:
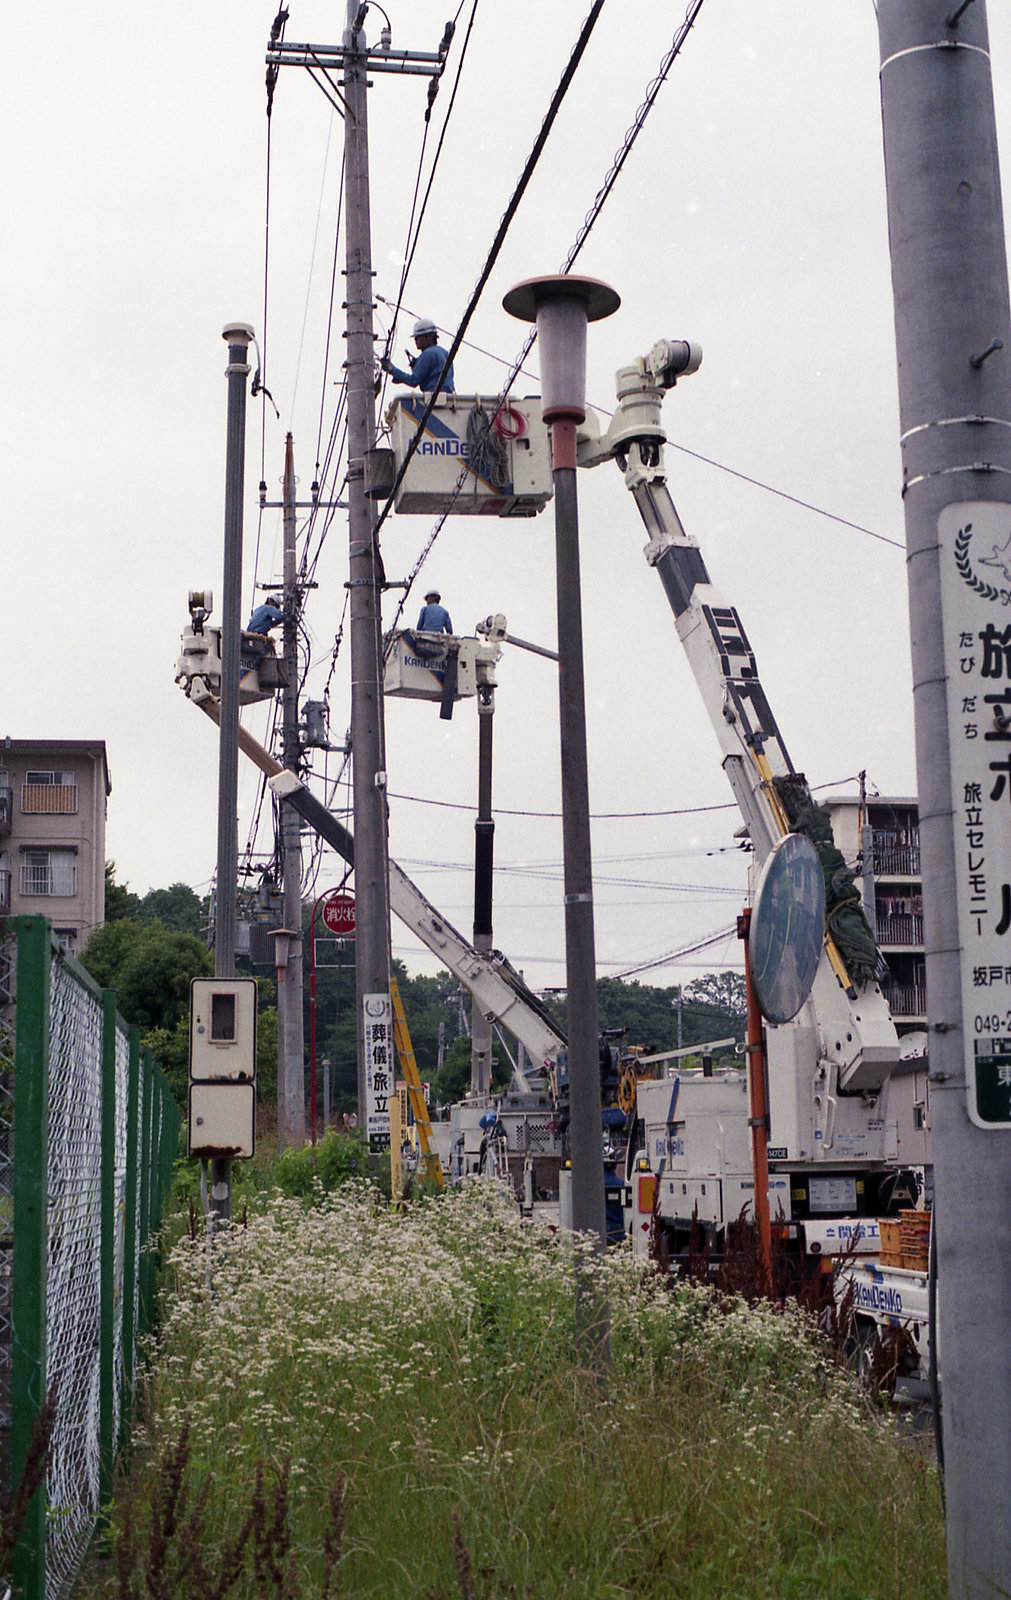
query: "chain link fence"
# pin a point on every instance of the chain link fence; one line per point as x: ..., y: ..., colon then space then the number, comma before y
x: 95, y: 1131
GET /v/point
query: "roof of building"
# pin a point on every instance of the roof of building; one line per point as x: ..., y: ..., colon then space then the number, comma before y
x: 59, y: 747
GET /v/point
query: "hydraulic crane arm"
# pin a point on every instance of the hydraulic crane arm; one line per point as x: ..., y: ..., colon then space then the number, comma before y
x: 852, y: 1023
x: 489, y: 979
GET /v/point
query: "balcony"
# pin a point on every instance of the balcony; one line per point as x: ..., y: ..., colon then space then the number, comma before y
x: 49, y: 799
x: 896, y: 860
x: 6, y: 809
x: 905, y: 928
x: 5, y: 891
x: 906, y: 1000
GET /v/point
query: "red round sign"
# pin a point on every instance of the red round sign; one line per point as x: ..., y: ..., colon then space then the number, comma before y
x: 339, y: 914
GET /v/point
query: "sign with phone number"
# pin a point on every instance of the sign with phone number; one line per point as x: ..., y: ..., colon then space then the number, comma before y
x: 975, y: 563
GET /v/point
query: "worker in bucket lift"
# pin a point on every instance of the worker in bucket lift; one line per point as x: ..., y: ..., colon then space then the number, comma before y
x: 434, y: 616
x: 427, y: 365
x: 265, y: 616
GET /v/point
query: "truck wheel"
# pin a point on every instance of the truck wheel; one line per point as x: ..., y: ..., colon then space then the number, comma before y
x: 859, y: 1351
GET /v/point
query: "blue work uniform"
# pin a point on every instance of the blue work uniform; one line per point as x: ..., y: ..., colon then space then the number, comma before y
x: 264, y: 617
x: 434, y: 619
x: 426, y: 371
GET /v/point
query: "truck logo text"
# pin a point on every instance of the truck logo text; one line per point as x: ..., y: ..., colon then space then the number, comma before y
x: 876, y: 1297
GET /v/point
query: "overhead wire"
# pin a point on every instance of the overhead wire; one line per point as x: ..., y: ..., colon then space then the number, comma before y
x: 505, y: 222
x: 709, y: 461
x: 414, y: 230
x: 631, y: 136
x: 671, y: 956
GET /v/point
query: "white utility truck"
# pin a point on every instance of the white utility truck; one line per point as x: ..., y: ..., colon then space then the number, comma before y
x: 833, y: 1139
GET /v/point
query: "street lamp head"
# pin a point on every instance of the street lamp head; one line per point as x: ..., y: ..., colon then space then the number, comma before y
x: 562, y: 305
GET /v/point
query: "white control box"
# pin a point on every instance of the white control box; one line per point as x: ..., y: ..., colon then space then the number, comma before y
x: 222, y: 1121
x: 223, y: 1029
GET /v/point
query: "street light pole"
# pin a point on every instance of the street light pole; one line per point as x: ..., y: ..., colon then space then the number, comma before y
x: 238, y: 336
x: 561, y: 307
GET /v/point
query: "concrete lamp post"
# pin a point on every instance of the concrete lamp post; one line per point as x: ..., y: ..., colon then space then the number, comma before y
x: 562, y: 306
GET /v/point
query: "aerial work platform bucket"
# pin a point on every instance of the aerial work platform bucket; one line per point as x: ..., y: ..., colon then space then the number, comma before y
x: 262, y: 672
x: 475, y: 458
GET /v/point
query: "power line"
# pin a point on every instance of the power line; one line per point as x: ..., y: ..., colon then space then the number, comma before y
x: 676, y: 955
x: 783, y: 495
x: 496, y: 246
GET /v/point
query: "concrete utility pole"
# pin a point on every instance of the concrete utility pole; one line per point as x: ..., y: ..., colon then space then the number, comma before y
x: 372, y: 943
x: 237, y: 336
x: 368, y: 755
x: 291, y: 1047
x: 561, y: 307
x: 949, y: 274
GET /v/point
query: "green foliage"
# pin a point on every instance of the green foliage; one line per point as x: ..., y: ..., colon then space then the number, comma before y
x: 177, y: 907
x: 428, y: 1364
x: 723, y: 992
x: 318, y: 1169
x: 149, y: 966
x: 712, y: 1007
x: 119, y: 902
x: 171, y: 1049
x: 266, y: 1054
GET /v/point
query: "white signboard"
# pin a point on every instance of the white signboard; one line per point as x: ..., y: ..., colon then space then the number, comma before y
x: 975, y: 562
x: 379, y: 1064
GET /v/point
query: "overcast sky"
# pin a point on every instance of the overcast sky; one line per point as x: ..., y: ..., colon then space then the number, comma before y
x: 750, y: 216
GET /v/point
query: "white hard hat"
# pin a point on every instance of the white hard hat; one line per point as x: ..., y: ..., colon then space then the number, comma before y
x: 424, y: 325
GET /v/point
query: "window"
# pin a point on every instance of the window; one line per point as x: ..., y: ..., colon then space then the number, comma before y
x: 66, y: 938
x: 49, y: 792
x: 48, y: 872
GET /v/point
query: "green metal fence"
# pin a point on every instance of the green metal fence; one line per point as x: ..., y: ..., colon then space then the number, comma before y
x: 95, y: 1132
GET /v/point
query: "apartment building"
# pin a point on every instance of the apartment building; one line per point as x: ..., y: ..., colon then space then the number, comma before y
x: 883, y: 839
x: 890, y: 849
x: 53, y: 799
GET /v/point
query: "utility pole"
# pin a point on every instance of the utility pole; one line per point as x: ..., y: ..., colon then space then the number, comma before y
x: 291, y: 1047
x: 372, y: 939
x: 374, y: 1009
x: 237, y: 335
x: 949, y: 275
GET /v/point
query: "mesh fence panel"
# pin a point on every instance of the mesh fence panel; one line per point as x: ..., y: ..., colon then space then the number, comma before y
x: 73, y: 1290
x: 7, y: 958
x: 122, y: 1087
x: 86, y: 1210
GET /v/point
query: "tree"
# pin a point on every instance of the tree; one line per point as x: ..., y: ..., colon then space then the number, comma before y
x: 178, y: 907
x: 723, y: 992
x: 119, y: 902
x: 150, y: 967
x: 712, y: 1007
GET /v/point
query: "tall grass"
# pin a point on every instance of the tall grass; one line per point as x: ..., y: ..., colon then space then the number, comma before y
x: 407, y: 1386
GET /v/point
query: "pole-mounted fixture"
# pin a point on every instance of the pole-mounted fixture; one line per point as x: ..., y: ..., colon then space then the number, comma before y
x: 562, y: 306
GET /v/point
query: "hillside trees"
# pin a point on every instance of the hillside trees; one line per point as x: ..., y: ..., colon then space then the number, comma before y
x: 149, y: 961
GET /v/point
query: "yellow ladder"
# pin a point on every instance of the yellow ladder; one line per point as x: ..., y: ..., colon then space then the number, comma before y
x: 415, y: 1093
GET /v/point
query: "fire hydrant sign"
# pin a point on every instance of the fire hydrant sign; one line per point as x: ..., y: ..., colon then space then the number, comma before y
x: 975, y: 561
x: 378, y: 1064
x: 339, y: 914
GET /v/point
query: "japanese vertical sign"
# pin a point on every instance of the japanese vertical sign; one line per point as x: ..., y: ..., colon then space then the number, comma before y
x: 379, y: 1064
x: 975, y: 564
